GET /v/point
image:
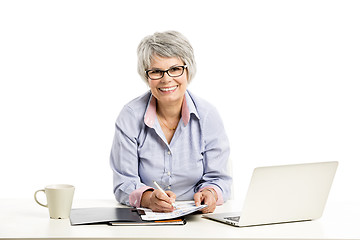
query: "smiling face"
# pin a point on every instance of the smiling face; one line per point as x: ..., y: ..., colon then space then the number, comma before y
x: 168, y: 90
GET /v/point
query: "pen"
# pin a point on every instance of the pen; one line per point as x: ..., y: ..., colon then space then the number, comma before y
x: 158, y: 187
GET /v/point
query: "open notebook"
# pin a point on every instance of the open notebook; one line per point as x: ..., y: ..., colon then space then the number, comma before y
x: 182, y: 209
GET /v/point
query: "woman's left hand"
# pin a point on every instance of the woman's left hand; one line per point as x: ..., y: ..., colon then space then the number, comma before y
x: 208, y: 197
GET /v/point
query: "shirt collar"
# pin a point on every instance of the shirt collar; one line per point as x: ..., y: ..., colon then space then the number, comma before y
x: 187, y: 108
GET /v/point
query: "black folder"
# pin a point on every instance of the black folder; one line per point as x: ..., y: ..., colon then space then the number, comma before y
x: 114, y: 216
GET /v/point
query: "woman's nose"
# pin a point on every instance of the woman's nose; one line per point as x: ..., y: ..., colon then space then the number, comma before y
x: 166, y: 78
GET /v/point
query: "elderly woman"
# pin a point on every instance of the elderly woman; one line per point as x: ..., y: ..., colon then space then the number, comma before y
x: 169, y: 135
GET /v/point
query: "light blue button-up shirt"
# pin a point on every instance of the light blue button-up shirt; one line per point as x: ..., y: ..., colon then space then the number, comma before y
x: 196, y: 157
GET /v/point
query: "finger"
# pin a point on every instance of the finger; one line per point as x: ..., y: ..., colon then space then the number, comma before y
x: 161, y: 206
x: 158, y: 205
x: 163, y: 202
x: 161, y: 196
x: 171, y: 195
x: 210, y: 202
x: 209, y: 208
x: 198, y: 198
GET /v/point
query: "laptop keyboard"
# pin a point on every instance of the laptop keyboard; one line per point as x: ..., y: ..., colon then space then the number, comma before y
x: 235, y: 219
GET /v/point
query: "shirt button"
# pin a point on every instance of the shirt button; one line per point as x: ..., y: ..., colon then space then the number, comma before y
x: 169, y: 152
x: 168, y: 173
x: 169, y: 187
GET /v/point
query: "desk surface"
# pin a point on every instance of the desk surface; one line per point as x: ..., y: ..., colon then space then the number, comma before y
x: 24, y: 219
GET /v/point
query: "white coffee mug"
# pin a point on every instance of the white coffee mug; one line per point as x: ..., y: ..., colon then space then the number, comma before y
x: 59, y: 200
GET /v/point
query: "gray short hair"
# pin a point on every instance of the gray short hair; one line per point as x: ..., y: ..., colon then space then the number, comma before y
x: 165, y: 44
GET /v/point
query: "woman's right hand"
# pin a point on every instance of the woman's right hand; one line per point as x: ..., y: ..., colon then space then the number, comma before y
x: 157, y: 201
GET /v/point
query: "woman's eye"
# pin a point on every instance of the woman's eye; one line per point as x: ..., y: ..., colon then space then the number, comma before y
x: 175, y: 69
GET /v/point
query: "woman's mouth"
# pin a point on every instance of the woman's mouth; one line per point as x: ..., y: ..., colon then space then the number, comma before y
x: 167, y: 89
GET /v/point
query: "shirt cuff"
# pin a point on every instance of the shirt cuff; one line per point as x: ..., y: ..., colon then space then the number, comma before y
x: 135, y: 196
x: 220, y: 199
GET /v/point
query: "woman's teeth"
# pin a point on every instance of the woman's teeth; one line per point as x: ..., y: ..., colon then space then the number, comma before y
x: 168, y: 89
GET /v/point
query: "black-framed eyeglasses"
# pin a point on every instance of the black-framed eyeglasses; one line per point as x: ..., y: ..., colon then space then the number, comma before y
x: 156, y: 74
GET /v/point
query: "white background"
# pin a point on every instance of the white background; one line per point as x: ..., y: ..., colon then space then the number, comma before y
x: 283, y: 74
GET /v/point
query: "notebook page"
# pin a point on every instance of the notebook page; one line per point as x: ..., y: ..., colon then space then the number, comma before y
x: 182, y: 209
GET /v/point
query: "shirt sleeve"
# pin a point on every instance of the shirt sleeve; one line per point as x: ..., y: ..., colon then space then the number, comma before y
x: 124, y: 159
x: 216, y: 153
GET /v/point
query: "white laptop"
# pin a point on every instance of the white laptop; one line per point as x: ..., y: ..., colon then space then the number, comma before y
x: 281, y: 194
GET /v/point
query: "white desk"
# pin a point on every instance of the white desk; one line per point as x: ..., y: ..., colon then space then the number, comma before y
x: 24, y: 219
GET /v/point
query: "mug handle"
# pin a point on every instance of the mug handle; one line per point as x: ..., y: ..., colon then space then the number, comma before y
x: 42, y: 190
